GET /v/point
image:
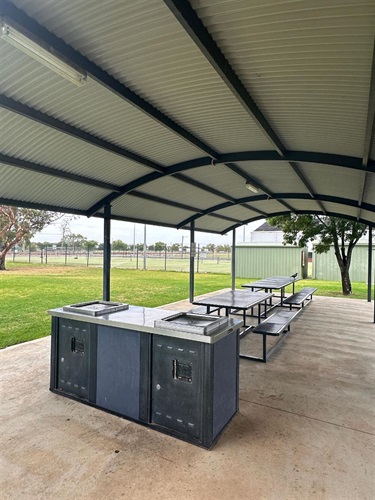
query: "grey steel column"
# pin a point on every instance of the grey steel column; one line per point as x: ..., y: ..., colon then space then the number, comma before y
x: 233, y: 267
x: 369, y: 274
x: 107, y: 254
x: 192, y: 259
x: 144, y: 247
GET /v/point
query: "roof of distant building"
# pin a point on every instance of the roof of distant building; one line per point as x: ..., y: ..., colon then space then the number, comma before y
x: 267, y: 227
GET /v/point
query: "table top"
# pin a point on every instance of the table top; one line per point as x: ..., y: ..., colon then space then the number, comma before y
x: 241, y: 299
x: 274, y: 282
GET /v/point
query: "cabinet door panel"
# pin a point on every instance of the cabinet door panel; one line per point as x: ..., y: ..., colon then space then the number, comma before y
x: 118, y: 371
x: 176, y: 392
x: 73, y: 358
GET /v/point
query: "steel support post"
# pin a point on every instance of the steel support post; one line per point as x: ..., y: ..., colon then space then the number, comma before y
x: 233, y: 266
x: 192, y: 261
x: 107, y: 253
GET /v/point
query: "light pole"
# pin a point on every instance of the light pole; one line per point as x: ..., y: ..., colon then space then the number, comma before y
x: 182, y: 246
x: 134, y: 241
x: 144, y: 248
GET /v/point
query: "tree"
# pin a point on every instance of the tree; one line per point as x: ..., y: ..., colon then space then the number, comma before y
x: 120, y: 246
x: 341, y: 233
x: 21, y: 223
x: 159, y: 246
x: 89, y: 245
x: 210, y: 247
x: 76, y: 241
x: 223, y: 248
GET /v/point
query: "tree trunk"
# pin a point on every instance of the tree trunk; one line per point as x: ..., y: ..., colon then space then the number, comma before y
x: 2, y: 263
x: 345, y: 280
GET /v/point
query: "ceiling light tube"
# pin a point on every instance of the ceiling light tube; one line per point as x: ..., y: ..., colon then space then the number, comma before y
x: 251, y: 187
x: 42, y: 53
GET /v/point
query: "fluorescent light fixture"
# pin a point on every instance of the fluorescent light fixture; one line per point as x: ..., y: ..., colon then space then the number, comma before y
x: 251, y: 187
x: 42, y: 53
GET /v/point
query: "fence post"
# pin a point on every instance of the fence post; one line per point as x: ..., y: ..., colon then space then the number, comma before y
x: 46, y: 253
x: 198, y: 259
x: 88, y: 255
x: 165, y: 258
x: 66, y: 254
x: 137, y: 259
x: 29, y: 254
x: 41, y: 254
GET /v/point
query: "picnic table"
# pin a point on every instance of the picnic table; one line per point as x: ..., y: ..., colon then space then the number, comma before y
x: 273, y: 283
x: 235, y: 300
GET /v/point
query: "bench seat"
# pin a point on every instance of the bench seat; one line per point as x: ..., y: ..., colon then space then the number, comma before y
x: 274, y: 325
x: 299, y: 298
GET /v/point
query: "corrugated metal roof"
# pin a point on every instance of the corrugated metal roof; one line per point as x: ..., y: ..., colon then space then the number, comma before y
x: 334, y: 181
x: 141, y: 209
x: 176, y: 190
x: 53, y: 191
x: 141, y: 44
x: 46, y: 146
x: 185, y: 102
x: 90, y: 108
x: 307, y: 64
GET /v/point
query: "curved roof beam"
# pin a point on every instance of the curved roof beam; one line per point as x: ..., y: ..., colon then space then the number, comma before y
x: 20, y: 203
x: 303, y: 156
x: 299, y: 156
x: 101, y: 76
x: 309, y: 212
x: 189, y: 20
x: 296, y: 196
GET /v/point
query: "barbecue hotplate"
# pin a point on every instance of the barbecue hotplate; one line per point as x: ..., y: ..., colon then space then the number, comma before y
x: 96, y: 307
x: 192, y: 323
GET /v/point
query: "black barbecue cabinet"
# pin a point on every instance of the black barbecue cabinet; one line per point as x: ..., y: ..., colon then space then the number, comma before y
x: 76, y: 352
x: 175, y: 373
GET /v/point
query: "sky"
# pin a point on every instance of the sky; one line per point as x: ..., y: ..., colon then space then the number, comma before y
x: 92, y: 229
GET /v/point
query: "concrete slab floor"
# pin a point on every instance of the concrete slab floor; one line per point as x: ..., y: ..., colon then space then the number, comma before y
x: 305, y: 428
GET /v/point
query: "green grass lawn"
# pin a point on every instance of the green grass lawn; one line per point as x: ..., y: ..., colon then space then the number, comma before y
x: 28, y: 291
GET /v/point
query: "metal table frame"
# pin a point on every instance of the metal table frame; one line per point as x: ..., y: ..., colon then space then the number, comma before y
x: 234, y: 301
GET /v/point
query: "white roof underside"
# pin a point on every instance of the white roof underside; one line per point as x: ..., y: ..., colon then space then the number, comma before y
x: 185, y: 102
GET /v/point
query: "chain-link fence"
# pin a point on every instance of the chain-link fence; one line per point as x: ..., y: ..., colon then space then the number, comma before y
x: 205, y: 262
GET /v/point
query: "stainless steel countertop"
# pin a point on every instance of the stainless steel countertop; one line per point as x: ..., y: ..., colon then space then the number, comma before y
x: 142, y: 319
